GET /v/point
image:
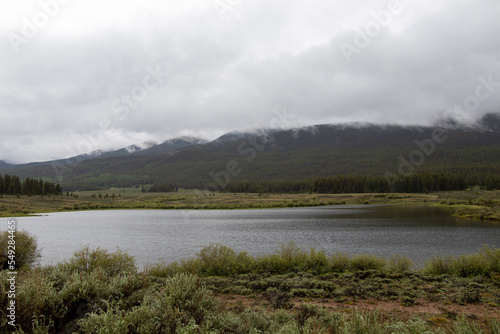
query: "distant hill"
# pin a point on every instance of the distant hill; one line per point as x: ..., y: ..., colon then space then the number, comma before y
x: 295, y: 154
x: 3, y: 164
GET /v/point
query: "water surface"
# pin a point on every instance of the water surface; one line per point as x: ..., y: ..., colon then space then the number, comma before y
x: 418, y: 232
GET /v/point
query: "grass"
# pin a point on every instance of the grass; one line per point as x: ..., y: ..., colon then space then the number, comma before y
x: 473, y: 204
x: 222, y: 291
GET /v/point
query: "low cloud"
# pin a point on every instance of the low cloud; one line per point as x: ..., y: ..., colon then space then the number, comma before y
x: 230, y: 70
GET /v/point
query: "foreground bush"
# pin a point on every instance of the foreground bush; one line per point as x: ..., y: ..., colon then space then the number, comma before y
x: 26, y: 250
x: 98, y: 291
x: 181, y: 304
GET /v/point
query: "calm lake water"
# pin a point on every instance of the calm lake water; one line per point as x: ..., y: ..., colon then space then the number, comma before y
x: 418, y: 232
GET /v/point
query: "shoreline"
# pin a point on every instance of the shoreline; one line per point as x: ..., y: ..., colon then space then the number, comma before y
x: 469, y: 204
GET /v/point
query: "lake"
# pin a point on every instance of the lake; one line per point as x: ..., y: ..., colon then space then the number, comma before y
x: 417, y: 232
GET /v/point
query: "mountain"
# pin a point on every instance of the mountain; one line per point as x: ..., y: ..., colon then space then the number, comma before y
x: 3, y: 164
x: 167, y: 147
x: 172, y: 145
x: 295, y: 154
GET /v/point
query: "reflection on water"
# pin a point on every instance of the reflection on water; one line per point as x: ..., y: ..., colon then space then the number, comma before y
x: 418, y: 232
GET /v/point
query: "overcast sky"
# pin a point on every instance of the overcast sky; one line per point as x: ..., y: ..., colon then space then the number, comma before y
x: 78, y: 76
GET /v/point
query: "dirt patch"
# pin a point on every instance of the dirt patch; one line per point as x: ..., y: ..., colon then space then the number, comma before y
x: 422, y: 308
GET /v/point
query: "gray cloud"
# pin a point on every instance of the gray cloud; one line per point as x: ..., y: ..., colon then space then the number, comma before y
x: 84, y: 80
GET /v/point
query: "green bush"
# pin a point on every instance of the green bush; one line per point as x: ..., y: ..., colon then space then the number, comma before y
x: 183, y: 298
x: 439, y: 266
x: 339, y: 262
x: 470, y: 266
x: 87, y: 260
x: 367, y: 262
x: 112, y: 320
x: 317, y: 262
x: 220, y: 260
x: 277, y: 298
x: 36, y: 296
x: 183, y: 303
x: 84, y: 296
x: 305, y: 312
x: 26, y: 252
x: 482, y: 264
x: 163, y: 269
x: 491, y: 256
x: 399, y: 264
x: 288, y: 258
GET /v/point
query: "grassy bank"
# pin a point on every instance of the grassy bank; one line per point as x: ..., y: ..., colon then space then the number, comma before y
x: 290, y: 291
x: 472, y: 204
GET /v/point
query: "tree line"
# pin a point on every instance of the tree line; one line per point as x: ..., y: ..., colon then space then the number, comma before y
x: 415, y: 183
x: 160, y: 187
x: 12, y: 185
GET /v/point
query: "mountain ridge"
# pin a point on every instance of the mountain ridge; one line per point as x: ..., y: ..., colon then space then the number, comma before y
x: 300, y: 153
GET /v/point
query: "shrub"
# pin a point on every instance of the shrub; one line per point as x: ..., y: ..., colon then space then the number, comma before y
x: 399, y: 264
x: 163, y: 269
x: 110, y: 321
x: 220, y: 260
x: 313, y: 293
x: 305, y: 312
x: 317, y: 262
x: 87, y: 260
x: 491, y: 256
x: 26, y: 250
x: 277, y: 298
x: 467, y: 295
x: 191, y: 266
x: 470, y: 266
x: 34, y: 297
x: 182, y: 304
x: 288, y: 258
x: 185, y: 292
x: 339, y: 262
x: 367, y: 262
x: 439, y: 266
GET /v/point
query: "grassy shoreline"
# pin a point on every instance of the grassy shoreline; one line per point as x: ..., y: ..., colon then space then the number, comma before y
x: 471, y: 204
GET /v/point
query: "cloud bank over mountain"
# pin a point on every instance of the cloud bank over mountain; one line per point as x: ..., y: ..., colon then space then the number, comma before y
x: 76, y: 77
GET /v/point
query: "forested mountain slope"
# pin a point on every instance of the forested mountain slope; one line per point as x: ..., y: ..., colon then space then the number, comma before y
x: 296, y: 154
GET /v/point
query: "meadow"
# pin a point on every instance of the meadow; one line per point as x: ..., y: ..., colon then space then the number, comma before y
x: 472, y: 204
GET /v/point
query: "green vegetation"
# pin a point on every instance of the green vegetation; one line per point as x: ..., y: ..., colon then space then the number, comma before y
x: 220, y: 260
x: 345, y: 184
x: 293, y: 160
x: 26, y: 249
x: 482, y: 264
x: 472, y: 204
x: 12, y: 185
x: 222, y: 291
